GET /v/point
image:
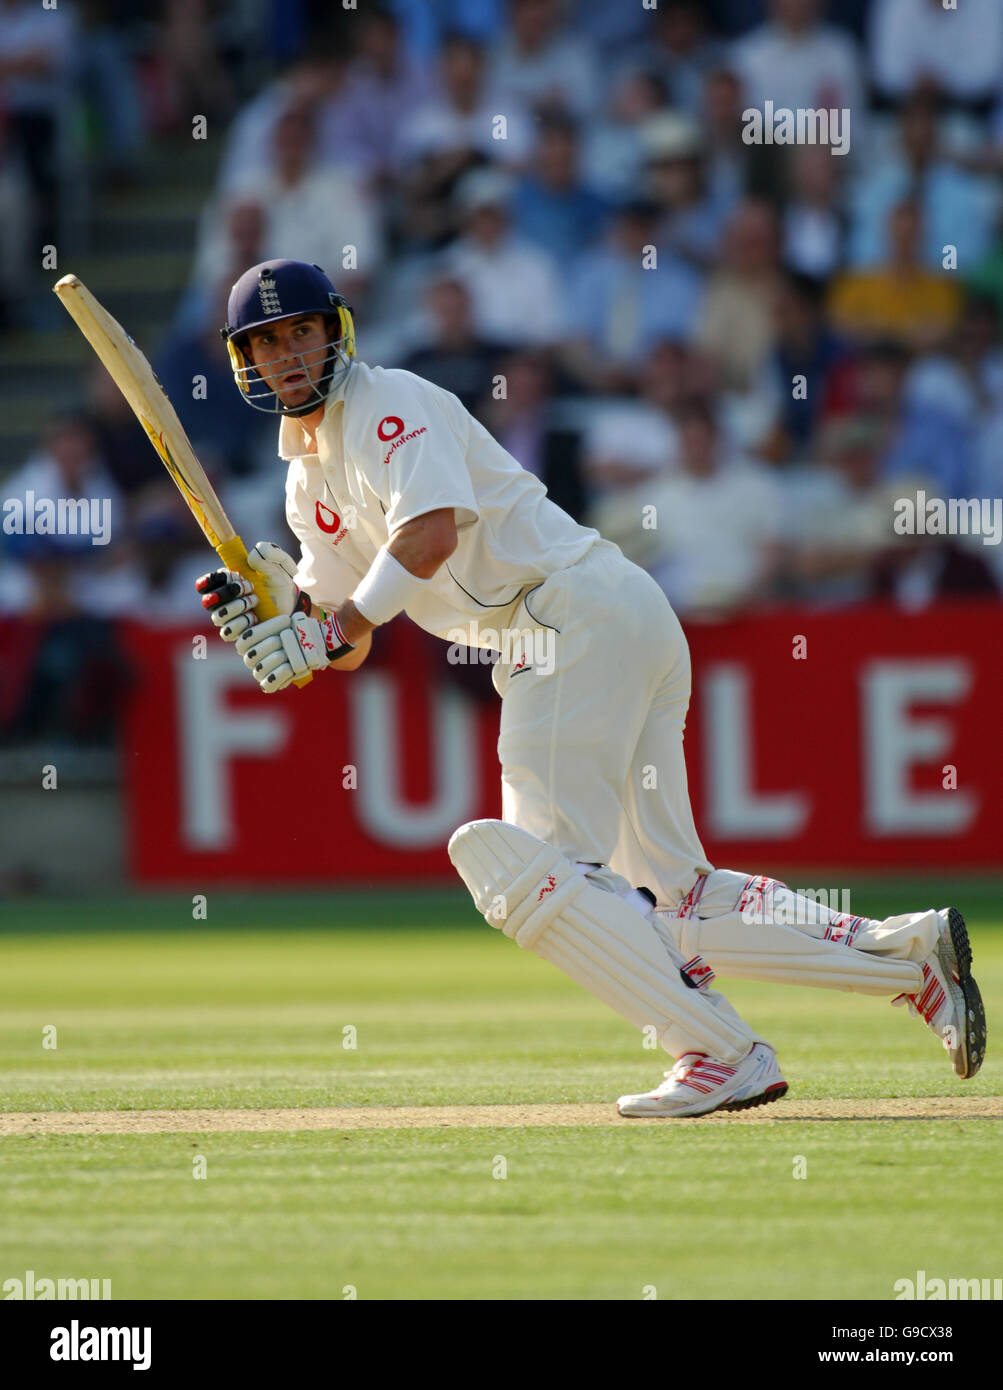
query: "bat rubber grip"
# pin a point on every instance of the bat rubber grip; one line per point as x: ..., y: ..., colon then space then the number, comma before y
x: 233, y: 554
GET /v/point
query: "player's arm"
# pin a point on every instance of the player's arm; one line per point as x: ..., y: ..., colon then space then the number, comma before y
x: 407, y: 562
x: 309, y: 638
x: 304, y: 637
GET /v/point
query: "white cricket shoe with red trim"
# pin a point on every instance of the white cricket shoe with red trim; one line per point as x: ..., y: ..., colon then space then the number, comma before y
x: 697, y: 1084
x: 950, y: 1002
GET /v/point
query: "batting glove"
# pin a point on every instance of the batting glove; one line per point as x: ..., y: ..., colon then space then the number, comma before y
x: 230, y: 599
x: 283, y: 649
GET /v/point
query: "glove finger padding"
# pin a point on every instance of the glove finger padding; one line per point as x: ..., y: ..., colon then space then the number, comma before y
x: 220, y: 586
x: 235, y: 616
x: 264, y: 638
x: 284, y: 649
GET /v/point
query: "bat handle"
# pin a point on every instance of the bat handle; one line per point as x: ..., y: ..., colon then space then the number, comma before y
x: 233, y: 554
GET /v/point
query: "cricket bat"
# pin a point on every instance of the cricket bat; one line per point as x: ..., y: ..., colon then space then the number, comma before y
x: 135, y: 378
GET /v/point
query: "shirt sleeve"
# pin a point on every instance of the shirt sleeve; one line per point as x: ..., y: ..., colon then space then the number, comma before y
x: 410, y: 442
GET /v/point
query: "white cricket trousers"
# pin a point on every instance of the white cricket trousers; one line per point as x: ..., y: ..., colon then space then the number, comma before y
x: 592, y: 763
x: 592, y: 753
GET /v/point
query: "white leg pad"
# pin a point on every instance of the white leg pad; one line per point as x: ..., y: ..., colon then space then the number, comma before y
x: 546, y: 905
x: 759, y: 944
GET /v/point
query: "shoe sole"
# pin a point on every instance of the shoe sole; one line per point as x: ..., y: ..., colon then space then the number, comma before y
x: 774, y: 1092
x: 974, y: 1052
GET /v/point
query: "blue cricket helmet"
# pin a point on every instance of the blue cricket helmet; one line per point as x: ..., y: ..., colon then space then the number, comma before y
x: 280, y: 289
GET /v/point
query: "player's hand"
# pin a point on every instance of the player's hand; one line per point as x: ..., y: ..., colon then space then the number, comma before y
x: 283, y: 649
x: 277, y: 571
x: 230, y: 599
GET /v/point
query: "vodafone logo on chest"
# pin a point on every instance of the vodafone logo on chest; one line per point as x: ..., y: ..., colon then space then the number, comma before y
x: 326, y: 519
x: 329, y: 522
x: 391, y: 427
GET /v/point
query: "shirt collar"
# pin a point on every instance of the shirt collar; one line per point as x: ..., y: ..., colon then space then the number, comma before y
x: 291, y: 438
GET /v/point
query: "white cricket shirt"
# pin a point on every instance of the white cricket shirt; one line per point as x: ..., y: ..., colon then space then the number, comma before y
x: 392, y: 447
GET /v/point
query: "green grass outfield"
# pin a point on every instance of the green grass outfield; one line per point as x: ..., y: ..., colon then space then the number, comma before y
x: 248, y: 1010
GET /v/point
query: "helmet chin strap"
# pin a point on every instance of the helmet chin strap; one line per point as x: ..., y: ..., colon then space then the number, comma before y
x: 309, y: 406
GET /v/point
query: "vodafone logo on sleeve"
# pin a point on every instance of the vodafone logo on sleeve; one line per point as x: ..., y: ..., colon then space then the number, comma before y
x: 392, y: 427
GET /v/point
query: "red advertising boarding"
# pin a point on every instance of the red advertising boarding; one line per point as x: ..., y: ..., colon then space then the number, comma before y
x: 864, y: 738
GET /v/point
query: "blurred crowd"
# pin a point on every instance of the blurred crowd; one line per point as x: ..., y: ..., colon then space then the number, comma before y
x: 730, y: 357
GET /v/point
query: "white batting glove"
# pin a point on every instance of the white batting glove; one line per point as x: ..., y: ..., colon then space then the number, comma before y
x: 278, y: 574
x: 230, y: 599
x: 283, y: 649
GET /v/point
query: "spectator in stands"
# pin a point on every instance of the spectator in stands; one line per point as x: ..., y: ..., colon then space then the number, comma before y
x: 843, y: 547
x: 813, y: 223
x: 915, y: 437
x: 959, y: 208
x: 189, y: 52
x: 551, y: 206
x: 232, y: 233
x: 838, y: 514
x: 707, y: 531
x: 522, y: 420
x: 36, y: 76
x: 797, y: 61
x: 110, y: 80
x: 632, y: 441
x: 964, y: 381
x: 454, y: 132
x: 958, y: 48
x: 613, y: 150
x: 514, y: 287
x: 736, y: 320
x: 195, y: 371
x: 612, y: 29
x: 122, y: 443
x: 987, y: 478
x: 622, y: 300
x: 451, y: 354
x: 541, y: 64
x: 691, y: 215
x: 901, y: 298
x: 427, y: 27
x: 729, y: 159
x: 680, y: 52
x: 156, y: 562
x: 15, y: 227
x: 805, y: 347
x: 69, y: 466
x: 388, y: 86
x: 317, y: 212
x: 457, y: 127
x: 320, y: 80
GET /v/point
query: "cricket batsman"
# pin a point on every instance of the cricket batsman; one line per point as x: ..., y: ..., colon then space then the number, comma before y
x: 402, y: 502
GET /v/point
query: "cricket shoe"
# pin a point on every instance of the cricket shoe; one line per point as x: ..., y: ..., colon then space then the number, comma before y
x: 950, y: 1002
x: 697, y: 1084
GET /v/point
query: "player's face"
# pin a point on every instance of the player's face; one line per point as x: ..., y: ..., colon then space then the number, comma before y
x: 290, y: 355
